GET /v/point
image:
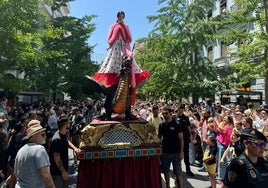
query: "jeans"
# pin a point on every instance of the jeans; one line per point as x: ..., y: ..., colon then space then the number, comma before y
x: 221, y: 166
x: 191, y: 153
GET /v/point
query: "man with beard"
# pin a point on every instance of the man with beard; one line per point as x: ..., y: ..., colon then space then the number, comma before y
x: 171, y: 135
x: 32, y: 162
x: 58, y: 153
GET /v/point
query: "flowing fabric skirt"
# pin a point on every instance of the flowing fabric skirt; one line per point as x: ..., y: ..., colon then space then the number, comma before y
x: 110, y: 68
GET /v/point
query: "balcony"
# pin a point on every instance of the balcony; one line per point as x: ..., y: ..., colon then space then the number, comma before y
x: 235, y: 7
x: 222, y: 61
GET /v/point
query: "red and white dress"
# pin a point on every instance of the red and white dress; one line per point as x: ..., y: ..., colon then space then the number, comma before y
x: 119, y: 39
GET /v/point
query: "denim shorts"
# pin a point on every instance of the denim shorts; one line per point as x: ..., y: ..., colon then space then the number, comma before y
x: 167, y: 159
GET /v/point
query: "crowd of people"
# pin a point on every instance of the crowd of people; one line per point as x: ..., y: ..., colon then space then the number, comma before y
x: 35, y: 138
x: 222, y: 140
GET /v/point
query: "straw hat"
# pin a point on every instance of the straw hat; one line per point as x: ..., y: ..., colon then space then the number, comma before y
x: 34, y: 127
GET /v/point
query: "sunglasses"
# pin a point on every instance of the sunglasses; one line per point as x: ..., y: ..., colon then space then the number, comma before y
x: 165, y: 113
x: 259, y: 144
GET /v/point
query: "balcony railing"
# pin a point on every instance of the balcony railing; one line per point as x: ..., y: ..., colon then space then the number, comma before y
x: 235, y: 7
x: 222, y: 61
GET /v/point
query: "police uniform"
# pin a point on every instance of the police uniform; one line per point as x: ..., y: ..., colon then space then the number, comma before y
x: 242, y: 173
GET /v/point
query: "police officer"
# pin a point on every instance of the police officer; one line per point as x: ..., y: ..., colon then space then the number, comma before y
x: 250, y: 169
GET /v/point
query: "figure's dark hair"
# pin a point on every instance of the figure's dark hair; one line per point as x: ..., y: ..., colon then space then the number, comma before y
x: 119, y: 13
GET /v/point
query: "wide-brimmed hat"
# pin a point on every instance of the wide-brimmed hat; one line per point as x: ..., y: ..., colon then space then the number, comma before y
x: 34, y: 127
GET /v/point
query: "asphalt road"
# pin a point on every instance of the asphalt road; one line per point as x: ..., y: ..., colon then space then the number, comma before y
x: 200, y: 180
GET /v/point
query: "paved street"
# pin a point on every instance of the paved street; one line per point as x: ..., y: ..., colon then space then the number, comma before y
x: 72, y: 170
x: 200, y: 180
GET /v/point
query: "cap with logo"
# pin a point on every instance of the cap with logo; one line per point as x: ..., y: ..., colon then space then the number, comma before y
x: 250, y: 133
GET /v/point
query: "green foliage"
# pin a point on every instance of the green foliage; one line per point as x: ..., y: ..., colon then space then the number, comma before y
x: 69, y: 62
x: 248, y: 56
x: 172, y: 52
x: 52, y: 53
x: 10, y: 84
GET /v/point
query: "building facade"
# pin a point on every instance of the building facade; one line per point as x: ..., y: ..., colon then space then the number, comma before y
x: 221, y: 54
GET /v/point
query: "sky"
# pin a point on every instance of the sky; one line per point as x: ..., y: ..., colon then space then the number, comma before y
x: 136, y: 12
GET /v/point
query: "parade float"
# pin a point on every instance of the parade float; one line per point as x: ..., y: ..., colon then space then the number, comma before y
x: 119, y: 153
x: 118, y: 149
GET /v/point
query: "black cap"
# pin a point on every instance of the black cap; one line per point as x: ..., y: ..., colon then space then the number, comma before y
x: 249, y: 133
x: 264, y: 107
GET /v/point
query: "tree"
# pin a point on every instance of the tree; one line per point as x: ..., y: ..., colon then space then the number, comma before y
x: 172, y: 52
x: 70, y: 57
x: 21, y: 39
x: 47, y: 53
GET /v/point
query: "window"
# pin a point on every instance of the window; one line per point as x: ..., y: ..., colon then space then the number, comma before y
x: 223, y: 6
x: 235, y: 7
x: 209, y: 14
x: 210, y: 53
x: 223, y: 49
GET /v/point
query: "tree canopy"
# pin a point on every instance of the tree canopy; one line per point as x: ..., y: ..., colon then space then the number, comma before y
x: 172, y: 52
x: 47, y: 53
x: 52, y: 54
x: 244, y: 29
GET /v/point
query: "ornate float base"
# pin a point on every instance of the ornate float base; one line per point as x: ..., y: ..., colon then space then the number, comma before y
x: 119, y: 154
